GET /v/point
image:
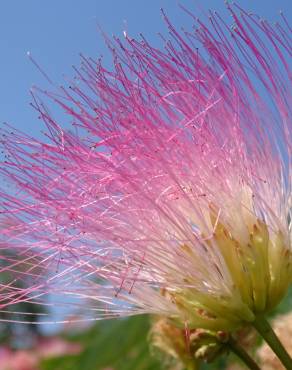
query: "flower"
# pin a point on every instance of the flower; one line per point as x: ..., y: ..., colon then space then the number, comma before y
x: 173, y: 194
x: 172, y: 345
x: 186, y: 349
x: 30, y: 359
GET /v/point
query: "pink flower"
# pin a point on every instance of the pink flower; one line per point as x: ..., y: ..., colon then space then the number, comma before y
x: 54, y: 347
x: 30, y: 359
x: 17, y: 360
x: 174, y: 197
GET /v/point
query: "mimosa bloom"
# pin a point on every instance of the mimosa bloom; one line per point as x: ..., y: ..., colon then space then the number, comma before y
x: 173, y: 194
x: 181, y: 350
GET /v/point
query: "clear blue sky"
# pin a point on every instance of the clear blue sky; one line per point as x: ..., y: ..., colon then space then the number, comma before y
x: 55, y: 31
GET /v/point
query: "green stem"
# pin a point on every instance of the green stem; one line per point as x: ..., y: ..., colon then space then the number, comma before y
x: 242, y: 354
x: 266, y: 331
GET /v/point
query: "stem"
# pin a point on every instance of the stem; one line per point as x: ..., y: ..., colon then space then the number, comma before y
x: 266, y: 331
x: 242, y: 354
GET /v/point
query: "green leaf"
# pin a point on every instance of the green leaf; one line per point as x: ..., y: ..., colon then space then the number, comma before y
x: 119, y: 344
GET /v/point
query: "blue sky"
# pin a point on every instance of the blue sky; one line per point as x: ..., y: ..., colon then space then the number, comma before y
x: 56, y: 31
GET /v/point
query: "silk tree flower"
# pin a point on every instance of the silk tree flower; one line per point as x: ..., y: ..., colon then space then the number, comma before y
x: 179, y: 352
x: 30, y: 359
x: 172, y: 195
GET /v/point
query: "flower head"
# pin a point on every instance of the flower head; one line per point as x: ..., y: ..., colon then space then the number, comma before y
x: 174, y: 197
x: 186, y: 349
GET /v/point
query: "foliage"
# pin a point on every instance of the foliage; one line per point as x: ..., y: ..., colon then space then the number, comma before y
x: 119, y: 344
